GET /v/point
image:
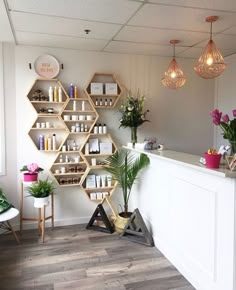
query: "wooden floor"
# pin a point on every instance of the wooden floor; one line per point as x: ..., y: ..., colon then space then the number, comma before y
x: 75, y: 258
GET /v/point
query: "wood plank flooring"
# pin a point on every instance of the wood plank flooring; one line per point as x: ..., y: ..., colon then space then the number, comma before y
x: 75, y: 258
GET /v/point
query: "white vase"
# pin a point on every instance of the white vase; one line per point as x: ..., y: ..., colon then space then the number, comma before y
x: 39, y: 202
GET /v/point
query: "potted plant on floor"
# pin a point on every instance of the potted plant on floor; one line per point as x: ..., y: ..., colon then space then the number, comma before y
x: 124, y: 168
x: 31, y: 172
x: 41, y: 191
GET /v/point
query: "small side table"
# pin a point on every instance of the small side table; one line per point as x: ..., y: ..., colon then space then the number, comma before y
x: 41, y: 213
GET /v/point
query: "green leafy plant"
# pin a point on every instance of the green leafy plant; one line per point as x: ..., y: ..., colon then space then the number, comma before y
x: 41, y: 188
x: 124, y: 168
x: 133, y: 113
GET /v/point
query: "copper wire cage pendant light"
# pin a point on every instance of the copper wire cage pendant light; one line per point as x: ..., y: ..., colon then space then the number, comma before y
x: 174, y: 77
x: 211, y: 63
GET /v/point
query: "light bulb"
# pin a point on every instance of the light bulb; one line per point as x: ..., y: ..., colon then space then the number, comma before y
x: 209, y: 60
x: 173, y: 75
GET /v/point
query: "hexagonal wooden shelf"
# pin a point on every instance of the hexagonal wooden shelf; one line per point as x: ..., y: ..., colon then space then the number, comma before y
x: 105, y: 150
x: 69, y: 168
x: 104, y: 90
x: 38, y: 96
x: 47, y: 126
x: 79, y: 115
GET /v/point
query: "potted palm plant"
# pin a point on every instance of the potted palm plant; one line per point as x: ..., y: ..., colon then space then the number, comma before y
x: 124, y: 168
x: 41, y: 191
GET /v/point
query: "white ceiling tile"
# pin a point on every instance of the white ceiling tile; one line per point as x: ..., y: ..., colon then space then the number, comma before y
x: 193, y: 52
x: 225, y: 43
x: 62, y: 26
x: 27, y: 38
x: 160, y: 36
x: 231, y: 30
x: 184, y: 18
x: 118, y: 11
x: 229, y: 5
x: 140, y: 48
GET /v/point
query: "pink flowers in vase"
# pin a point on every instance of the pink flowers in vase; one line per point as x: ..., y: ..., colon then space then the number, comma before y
x: 31, y: 168
x: 228, y: 126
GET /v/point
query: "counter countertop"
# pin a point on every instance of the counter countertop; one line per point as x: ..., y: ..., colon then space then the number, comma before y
x: 187, y: 160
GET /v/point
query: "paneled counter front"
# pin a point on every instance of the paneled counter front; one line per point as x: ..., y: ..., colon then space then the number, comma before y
x: 190, y: 211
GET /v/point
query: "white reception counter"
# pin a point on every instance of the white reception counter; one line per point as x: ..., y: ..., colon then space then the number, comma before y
x: 191, y: 213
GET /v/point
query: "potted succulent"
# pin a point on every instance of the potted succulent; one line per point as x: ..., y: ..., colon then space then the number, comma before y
x: 41, y: 191
x: 124, y: 168
x: 31, y: 173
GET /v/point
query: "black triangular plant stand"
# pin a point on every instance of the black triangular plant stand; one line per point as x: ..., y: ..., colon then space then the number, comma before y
x: 136, y: 230
x: 100, y: 215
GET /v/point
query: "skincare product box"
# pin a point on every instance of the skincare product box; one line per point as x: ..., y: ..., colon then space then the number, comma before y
x: 91, y: 181
x: 96, y: 88
x: 105, y: 148
x: 111, y: 89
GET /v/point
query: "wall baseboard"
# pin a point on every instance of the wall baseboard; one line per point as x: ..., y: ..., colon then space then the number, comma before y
x: 57, y: 223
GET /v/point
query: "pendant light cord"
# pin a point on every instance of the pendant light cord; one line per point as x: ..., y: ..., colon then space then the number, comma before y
x: 211, y: 32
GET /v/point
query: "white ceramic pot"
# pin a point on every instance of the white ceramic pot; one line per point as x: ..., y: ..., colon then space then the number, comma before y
x: 39, y: 202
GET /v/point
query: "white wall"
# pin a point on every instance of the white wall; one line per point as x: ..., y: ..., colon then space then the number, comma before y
x: 178, y: 118
x: 225, y: 96
x: 8, y: 182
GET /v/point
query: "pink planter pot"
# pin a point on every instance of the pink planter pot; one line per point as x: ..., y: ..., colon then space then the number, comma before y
x: 29, y: 177
x: 212, y: 160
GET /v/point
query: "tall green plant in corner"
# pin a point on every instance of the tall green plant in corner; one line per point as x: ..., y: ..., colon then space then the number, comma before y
x: 124, y: 168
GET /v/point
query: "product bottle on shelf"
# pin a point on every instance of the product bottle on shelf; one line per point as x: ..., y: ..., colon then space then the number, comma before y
x: 77, y: 127
x: 60, y: 94
x: 100, y: 129
x: 104, y: 129
x: 110, y: 103
x: 83, y: 105
x: 49, y: 143
x: 72, y: 91
x: 87, y: 149
x: 50, y: 94
x: 74, y: 106
x: 41, y: 142
x: 100, y: 102
x: 76, y: 92
x: 54, y: 146
x: 66, y: 158
x: 45, y: 144
x: 95, y: 129
x: 61, y: 159
x: 105, y: 102
x: 96, y: 102
x: 82, y: 127
x: 55, y: 94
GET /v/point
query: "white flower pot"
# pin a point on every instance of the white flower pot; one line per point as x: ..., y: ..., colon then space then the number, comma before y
x: 39, y: 202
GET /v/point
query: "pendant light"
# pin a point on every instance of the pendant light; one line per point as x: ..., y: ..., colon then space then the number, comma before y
x: 211, y: 63
x: 174, y: 77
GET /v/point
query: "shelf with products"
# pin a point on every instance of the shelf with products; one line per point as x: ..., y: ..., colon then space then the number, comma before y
x: 98, y: 184
x: 47, y: 96
x: 69, y: 168
x: 97, y: 147
x: 104, y: 90
x: 50, y: 122
x: 79, y: 115
x: 48, y: 139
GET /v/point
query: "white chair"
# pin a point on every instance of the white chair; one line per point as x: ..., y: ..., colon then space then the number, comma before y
x: 5, y: 224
